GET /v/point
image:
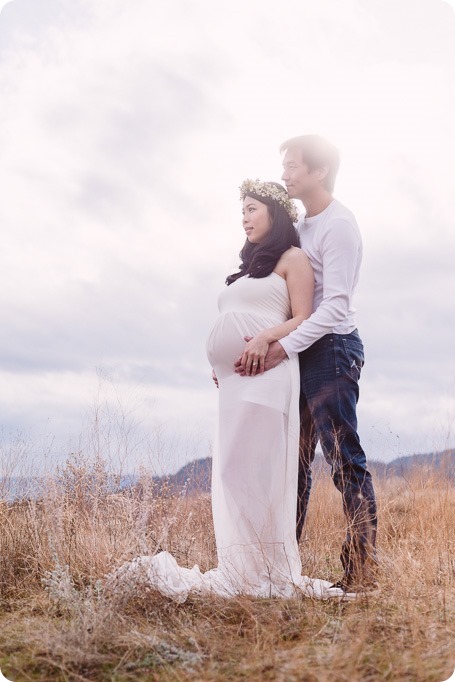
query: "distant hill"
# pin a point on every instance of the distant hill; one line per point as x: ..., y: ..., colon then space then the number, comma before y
x: 429, y: 463
x: 191, y: 479
x: 195, y: 477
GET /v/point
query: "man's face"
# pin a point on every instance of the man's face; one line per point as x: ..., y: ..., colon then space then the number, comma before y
x: 299, y: 180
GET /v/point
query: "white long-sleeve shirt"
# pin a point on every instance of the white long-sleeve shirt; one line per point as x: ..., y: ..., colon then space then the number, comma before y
x: 333, y: 243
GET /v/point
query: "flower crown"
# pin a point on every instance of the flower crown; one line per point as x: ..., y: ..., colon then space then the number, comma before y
x: 268, y: 189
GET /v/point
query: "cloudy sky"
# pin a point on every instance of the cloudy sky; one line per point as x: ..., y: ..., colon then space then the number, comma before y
x: 125, y: 131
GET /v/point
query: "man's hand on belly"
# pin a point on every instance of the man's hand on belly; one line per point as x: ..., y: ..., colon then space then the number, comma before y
x: 275, y: 355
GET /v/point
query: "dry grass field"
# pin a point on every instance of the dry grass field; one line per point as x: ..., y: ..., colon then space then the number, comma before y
x: 58, y: 623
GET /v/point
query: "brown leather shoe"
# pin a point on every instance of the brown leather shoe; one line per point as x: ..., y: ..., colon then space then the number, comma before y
x: 356, y: 587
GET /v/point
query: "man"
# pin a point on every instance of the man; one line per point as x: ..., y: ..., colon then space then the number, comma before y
x: 330, y: 352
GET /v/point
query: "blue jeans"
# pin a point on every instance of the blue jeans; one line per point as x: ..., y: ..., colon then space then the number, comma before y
x: 329, y: 375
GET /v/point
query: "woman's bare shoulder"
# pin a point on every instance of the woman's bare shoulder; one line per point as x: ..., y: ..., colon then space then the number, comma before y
x: 292, y: 260
x: 294, y: 255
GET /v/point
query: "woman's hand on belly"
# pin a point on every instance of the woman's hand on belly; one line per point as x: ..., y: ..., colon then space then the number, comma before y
x: 252, y: 360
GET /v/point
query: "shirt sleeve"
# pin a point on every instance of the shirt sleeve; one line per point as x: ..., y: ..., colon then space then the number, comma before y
x: 340, y: 250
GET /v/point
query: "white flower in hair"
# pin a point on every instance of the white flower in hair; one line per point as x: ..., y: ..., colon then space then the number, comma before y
x: 268, y: 189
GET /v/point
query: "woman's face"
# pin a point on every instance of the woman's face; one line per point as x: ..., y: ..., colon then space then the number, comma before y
x: 256, y: 220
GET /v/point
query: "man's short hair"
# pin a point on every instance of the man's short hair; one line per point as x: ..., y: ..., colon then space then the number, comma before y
x: 316, y: 152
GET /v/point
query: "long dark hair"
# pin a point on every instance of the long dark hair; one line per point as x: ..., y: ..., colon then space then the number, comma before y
x: 259, y: 260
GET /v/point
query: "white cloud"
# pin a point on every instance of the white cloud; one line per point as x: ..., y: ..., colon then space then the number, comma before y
x: 125, y: 132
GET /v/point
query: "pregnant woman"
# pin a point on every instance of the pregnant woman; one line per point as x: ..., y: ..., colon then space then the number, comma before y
x: 255, y: 460
x: 254, y: 481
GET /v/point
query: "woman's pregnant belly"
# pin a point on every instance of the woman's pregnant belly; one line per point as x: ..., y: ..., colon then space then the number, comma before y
x: 226, y: 342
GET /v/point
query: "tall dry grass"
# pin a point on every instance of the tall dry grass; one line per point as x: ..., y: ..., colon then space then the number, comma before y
x: 58, y: 623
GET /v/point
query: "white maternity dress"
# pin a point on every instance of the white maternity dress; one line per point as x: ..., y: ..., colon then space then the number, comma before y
x: 255, y: 465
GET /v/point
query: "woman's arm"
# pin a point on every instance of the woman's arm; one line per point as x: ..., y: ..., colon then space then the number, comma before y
x: 295, y: 268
